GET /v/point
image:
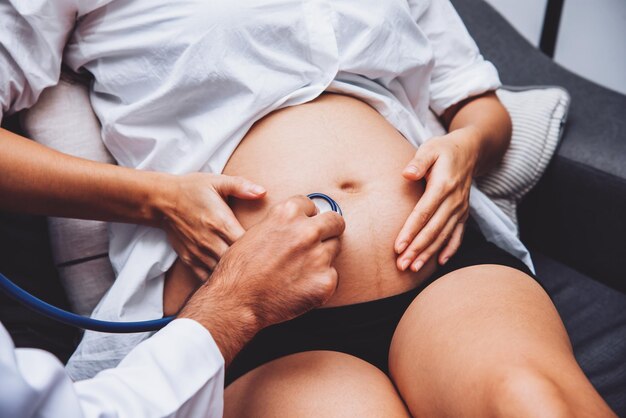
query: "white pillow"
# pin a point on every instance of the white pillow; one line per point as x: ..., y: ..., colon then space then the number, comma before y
x: 63, y: 119
x: 538, y: 115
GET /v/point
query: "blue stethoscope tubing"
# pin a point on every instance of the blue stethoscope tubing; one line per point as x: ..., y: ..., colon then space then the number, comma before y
x: 37, y: 305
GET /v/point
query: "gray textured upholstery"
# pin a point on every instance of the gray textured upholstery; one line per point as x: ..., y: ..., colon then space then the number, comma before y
x: 595, y: 318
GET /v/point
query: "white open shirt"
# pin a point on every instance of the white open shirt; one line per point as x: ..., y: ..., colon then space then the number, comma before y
x: 177, y: 84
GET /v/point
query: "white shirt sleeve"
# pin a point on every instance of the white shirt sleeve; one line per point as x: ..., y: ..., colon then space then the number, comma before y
x: 460, y: 70
x: 33, y: 34
x: 177, y: 372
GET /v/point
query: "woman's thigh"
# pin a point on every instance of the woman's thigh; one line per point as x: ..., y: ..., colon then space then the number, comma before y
x: 487, y: 340
x: 314, y: 384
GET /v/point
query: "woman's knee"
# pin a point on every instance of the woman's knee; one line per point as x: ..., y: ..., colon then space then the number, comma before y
x: 524, y: 392
x: 314, y: 384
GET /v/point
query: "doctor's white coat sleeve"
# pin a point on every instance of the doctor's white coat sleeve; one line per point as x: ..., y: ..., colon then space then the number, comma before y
x: 179, y: 372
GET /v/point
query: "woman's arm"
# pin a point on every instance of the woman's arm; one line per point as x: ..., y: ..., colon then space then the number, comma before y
x: 491, y: 124
x: 191, y: 208
x: 479, y: 135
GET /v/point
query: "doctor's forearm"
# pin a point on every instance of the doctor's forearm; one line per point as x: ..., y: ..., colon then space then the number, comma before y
x: 229, y: 321
x: 39, y: 180
x: 490, y: 127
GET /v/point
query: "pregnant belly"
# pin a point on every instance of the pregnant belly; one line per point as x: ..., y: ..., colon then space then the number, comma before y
x: 340, y: 146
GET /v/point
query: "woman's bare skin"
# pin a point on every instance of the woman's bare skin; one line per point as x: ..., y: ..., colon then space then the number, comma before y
x: 484, y: 341
x: 480, y: 341
x: 350, y: 152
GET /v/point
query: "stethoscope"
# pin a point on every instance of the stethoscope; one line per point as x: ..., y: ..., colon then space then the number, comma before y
x: 323, y: 202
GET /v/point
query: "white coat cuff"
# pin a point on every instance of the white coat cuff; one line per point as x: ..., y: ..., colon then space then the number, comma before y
x: 179, y: 369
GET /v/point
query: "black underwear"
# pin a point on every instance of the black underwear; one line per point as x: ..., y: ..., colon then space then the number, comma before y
x: 363, y: 330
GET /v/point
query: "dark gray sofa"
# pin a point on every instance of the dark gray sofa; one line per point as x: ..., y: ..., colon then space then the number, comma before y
x: 573, y: 220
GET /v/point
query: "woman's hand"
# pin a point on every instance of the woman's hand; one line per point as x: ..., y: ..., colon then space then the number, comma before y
x: 480, y: 133
x: 198, y: 222
x: 190, y: 208
x: 447, y: 164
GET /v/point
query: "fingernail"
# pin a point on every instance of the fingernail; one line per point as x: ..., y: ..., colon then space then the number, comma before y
x: 256, y: 189
x: 417, y: 265
x: 445, y: 260
x: 411, y: 170
x: 401, y: 247
x: 404, y: 264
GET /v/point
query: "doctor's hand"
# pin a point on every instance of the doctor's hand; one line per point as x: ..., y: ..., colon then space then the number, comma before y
x: 281, y: 268
x: 447, y: 165
x: 197, y: 220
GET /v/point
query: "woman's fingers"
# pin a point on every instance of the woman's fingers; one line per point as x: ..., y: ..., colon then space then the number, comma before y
x: 201, y: 273
x: 421, y: 215
x: 453, y: 244
x: 204, y: 269
x: 221, y: 218
x: 200, y: 248
x: 436, y: 245
x: 221, y: 222
x: 202, y: 264
x: 200, y: 223
x: 214, y: 247
x: 441, y: 208
x: 426, y: 235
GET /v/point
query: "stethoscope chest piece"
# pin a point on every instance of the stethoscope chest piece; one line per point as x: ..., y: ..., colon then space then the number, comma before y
x: 325, y: 203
